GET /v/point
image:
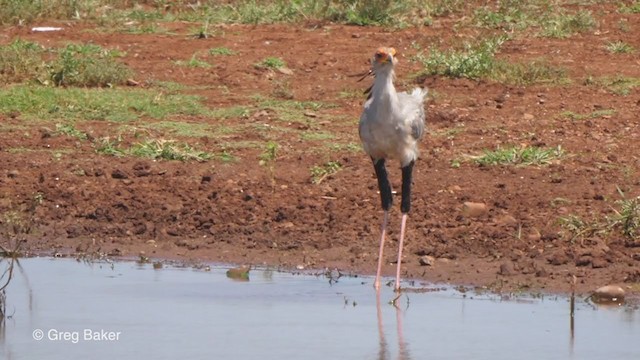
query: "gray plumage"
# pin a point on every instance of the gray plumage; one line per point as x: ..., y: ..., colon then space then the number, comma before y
x: 392, y: 122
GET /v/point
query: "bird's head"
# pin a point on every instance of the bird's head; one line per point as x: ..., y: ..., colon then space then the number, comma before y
x: 384, y: 56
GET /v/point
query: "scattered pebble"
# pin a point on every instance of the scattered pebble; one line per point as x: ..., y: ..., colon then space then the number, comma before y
x: 558, y: 258
x: 506, y: 269
x: 474, y: 210
x: 507, y: 220
x: 454, y: 188
x: 285, y: 71
x: 119, y: 174
x: 427, y: 260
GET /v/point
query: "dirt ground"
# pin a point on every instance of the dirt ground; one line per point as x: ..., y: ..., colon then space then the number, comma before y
x: 236, y: 212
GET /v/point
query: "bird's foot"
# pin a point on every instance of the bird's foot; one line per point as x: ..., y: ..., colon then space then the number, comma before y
x: 394, y: 302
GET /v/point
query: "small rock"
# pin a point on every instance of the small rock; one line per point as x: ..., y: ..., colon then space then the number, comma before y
x: 310, y: 114
x: 119, y: 174
x: 427, y: 260
x: 506, y: 269
x: 131, y: 82
x: 454, y: 188
x: 285, y: 71
x: 583, y: 260
x: 173, y: 232
x: 471, y: 209
x: 141, y: 169
x: 528, y: 117
x: 608, y: 294
x: 559, y: 258
x: 13, y: 174
x: 507, y: 220
x: 535, y: 252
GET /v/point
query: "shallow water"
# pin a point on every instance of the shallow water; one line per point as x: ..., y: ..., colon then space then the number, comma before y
x: 182, y: 313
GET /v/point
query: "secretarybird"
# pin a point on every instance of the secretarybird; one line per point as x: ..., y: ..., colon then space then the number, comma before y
x: 391, y: 126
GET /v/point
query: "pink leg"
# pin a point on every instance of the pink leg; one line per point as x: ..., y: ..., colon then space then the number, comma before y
x: 385, y: 220
x: 402, y: 228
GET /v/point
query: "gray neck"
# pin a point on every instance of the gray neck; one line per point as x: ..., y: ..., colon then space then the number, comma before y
x: 383, y: 88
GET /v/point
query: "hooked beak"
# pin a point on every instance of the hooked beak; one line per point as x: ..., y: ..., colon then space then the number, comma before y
x: 384, y: 55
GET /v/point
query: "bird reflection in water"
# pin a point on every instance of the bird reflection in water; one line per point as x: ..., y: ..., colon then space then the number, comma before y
x: 383, y: 353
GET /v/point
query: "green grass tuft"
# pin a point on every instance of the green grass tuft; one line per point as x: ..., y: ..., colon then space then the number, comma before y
x: 562, y: 25
x: 519, y: 156
x: 321, y: 172
x: 628, y: 217
x: 633, y: 8
x: 509, y: 15
x: 70, y: 130
x: 128, y: 16
x: 109, y: 147
x: 619, y: 47
x: 533, y: 72
x: 152, y: 148
x: 193, y: 62
x: 271, y: 63
x: 168, y: 150
x: 479, y: 62
x: 46, y: 103
x: 474, y: 61
x: 83, y: 65
x: 221, y: 51
x: 619, y: 84
x: 20, y: 60
x: 594, y: 115
x: 88, y: 65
